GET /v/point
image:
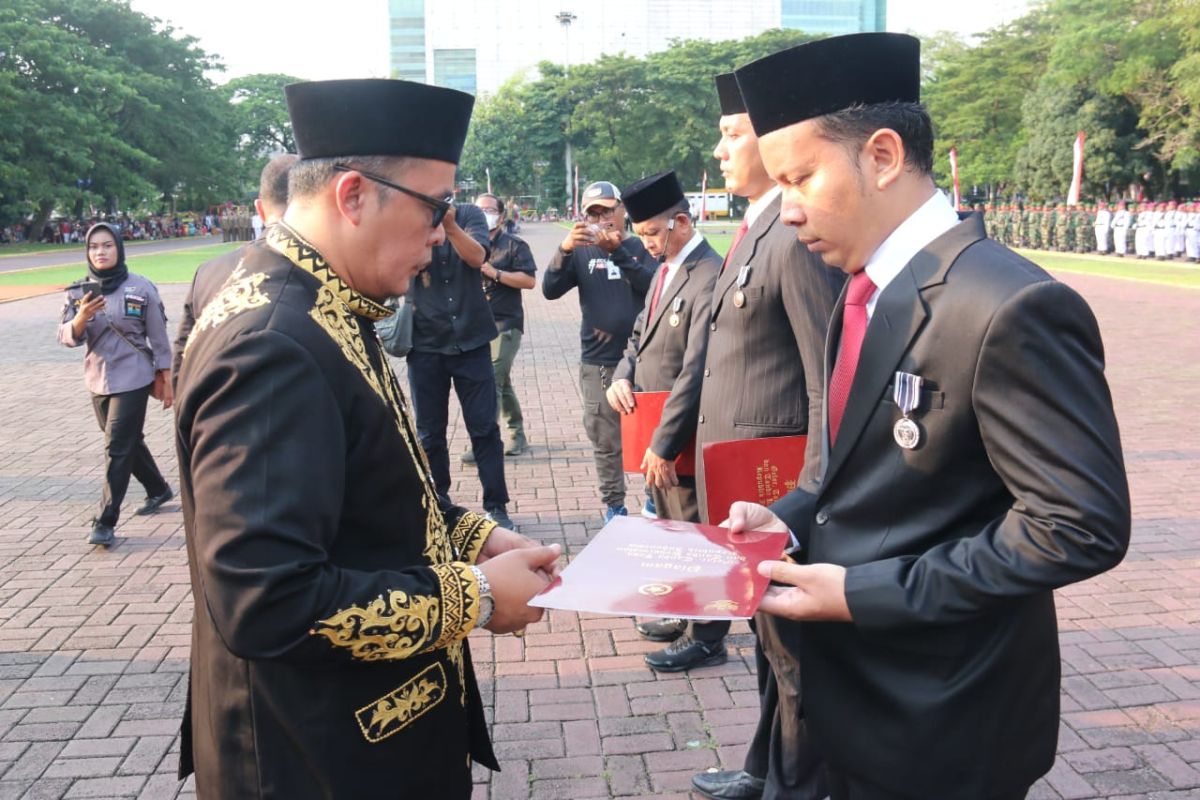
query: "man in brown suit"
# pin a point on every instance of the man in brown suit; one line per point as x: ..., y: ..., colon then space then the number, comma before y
x: 666, y: 349
x: 770, y: 311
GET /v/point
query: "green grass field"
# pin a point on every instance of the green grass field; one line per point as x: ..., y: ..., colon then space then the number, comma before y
x: 1170, y: 274
x: 25, y: 248
x: 176, y: 267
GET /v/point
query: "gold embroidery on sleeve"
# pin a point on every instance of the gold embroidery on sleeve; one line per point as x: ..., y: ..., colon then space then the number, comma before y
x: 394, y: 625
x: 460, y: 601
x: 396, y: 710
x: 469, y: 535
x: 239, y: 293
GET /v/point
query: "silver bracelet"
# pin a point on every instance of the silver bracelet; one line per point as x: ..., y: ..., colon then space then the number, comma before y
x: 485, y: 588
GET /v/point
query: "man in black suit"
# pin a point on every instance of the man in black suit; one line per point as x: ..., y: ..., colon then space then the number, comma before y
x: 972, y: 460
x: 666, y: 353
x: 212, y: 275
x: 770, y: 311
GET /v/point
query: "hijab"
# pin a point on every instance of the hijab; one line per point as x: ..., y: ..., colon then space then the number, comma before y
x: 109, y: 279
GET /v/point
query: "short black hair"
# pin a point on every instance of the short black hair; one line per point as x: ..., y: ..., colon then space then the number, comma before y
x: 854, y: 125
x: 273, y: 184
x: 499, y: 202
x: 309, y: 175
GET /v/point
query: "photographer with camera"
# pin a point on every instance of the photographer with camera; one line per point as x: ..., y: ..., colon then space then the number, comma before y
x: 121, y: 319
x: 612, y: 273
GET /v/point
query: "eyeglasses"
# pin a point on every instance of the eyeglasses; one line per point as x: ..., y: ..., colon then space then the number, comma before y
x: 602, y: 213
x: 440, y: 207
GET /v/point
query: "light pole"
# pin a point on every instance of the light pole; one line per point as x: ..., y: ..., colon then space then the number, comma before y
x: 565, y: 18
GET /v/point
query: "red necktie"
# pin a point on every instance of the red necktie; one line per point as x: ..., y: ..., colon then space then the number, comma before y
x: 737, y: 239
x: 854, y: 329
x: 658, y: 286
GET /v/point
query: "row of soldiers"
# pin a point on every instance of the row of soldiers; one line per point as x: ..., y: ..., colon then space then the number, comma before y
x: 237, y: 225
x: 1155, y: 230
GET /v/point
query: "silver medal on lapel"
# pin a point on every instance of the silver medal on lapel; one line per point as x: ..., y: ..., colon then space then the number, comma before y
x: 739, y: 297
x: 676, y: 307
x: 906, y: 392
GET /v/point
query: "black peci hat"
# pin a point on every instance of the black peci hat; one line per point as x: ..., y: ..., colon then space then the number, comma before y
x: 378, y: 117
x: 729, y: 94
x: 651, y: 196
x: 828, y: 75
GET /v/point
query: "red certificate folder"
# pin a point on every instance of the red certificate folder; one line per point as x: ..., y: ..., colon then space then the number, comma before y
x: 637, y: 431
x: 664, y: 568
x: 752, y: 470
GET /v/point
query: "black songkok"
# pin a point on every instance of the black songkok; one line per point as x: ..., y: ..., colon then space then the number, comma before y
x: 651, y: 196
x: 828, y: 75
x: 729, y: 94
x: 378, y: 117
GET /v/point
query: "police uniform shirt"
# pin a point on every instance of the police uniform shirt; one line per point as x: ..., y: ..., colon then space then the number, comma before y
x: 126, y: 340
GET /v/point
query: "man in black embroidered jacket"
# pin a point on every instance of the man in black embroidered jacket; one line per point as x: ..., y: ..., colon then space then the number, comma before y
x: 333, y: 591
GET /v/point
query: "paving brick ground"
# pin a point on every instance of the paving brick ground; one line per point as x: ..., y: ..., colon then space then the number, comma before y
x: 94, y: 644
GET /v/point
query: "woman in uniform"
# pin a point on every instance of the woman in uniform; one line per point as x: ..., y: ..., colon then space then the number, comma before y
x: 121, y: 319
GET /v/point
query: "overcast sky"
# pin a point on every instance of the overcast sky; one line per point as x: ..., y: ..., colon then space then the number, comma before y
x: 317, y: 39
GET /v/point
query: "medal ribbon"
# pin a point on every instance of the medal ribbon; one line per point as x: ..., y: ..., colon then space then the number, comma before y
x: 906, y: 391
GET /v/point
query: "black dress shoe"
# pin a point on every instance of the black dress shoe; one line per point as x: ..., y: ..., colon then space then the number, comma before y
x: 662, y: 630
x: 102, y: 535
x: 152, y: 504
x: 728, y: 784
x: 687, y: 653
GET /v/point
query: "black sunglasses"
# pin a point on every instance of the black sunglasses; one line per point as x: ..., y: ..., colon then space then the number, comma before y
x: 440, y: 207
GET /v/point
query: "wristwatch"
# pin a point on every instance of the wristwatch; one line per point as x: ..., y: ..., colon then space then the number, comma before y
x: 487, y: 605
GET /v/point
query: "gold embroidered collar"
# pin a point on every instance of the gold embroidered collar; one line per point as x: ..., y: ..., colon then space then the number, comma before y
x: 291, y: 245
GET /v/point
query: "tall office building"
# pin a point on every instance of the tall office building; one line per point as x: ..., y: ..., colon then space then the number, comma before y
x: 476, y: 46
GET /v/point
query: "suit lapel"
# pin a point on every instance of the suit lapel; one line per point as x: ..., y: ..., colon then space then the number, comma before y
x: 677, y: 283
x: 900, y: 312
x: 744, y: 254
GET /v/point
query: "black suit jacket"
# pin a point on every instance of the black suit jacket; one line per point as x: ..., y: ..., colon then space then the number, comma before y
x: 206, y: 282
x: 763, y: 373
x: 946, y: 684
x: 665, y: 357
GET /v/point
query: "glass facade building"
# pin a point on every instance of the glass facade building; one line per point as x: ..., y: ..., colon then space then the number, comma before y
x: 455, y: 69
x: 408, y: 39
x: 834, y: 16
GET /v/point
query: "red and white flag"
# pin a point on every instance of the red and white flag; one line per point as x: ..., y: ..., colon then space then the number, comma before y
x: 954, y: 174
x: 1076, y: 172
x: 703, y: 195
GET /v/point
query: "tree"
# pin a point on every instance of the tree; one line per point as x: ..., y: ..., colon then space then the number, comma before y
x: 104, y: 104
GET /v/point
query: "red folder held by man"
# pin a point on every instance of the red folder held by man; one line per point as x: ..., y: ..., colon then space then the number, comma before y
x: 637, y: 431
x: 750, y: 470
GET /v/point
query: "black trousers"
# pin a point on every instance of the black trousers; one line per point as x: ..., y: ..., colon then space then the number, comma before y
x: 430, y: 376
x: 121, y: 417
x: 780, y: 752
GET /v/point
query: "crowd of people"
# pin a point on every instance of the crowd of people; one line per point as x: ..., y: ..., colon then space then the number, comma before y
x: 1166, y: 231
x: 961, y: 462
x: 72, y: 230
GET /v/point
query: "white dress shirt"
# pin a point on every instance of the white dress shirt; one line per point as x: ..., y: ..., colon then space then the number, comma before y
x: 755, y: 209
x: 924, y: 225
x: 673, y: 264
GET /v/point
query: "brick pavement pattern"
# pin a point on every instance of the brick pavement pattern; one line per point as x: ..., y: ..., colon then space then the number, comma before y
x: 94, y: 643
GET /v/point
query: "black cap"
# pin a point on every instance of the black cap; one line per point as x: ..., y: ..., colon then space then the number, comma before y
x: 378, y: 117
x: 729, y: 94
x: 651, y: 196
x: 828, y: 75
x: 600, y: 193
